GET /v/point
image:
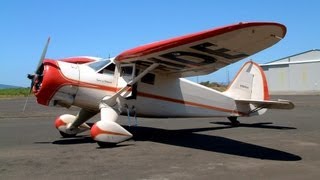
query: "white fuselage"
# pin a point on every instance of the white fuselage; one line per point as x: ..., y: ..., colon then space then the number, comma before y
x: 164, y: 96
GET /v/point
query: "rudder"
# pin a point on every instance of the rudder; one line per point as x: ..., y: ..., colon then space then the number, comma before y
x: 249, y: 83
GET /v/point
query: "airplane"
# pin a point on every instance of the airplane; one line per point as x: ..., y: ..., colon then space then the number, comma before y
x: 149, y: 81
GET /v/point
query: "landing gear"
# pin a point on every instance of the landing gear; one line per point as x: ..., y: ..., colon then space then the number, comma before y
x: 65, y: 135
x: 106, y: 132
x: 69, y: 125
x: 106, y: 144
x: 234, y: 121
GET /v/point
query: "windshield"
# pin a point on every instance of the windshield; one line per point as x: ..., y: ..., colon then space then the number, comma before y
x: 98, y: 65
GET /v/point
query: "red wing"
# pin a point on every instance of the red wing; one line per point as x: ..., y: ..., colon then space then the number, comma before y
x: 207, y: 51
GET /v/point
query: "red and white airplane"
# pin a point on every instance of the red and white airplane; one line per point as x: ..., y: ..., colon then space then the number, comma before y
x: 148, y: 81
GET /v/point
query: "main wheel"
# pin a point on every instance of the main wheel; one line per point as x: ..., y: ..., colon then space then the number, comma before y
x: 65, y: 135
x: 234, y: 121
x: 105, y: 144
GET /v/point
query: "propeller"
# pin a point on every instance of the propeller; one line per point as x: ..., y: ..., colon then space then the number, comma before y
x: 39, y: 69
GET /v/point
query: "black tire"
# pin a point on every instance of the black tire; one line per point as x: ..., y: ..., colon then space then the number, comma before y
x: 106, y: 144
x: 65, y: 135
x: 234, y: 121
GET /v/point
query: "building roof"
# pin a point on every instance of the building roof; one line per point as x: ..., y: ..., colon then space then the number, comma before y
x: 294, y: 58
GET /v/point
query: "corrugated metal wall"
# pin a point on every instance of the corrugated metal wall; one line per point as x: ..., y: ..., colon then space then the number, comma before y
x: 277, y: 77
x: 294, y: 78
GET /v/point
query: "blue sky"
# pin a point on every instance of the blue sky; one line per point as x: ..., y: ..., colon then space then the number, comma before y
x: 103, y: 28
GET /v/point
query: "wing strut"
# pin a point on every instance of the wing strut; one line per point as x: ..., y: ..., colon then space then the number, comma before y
x: 109, y: 101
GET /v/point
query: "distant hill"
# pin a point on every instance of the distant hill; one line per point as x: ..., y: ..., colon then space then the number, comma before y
x: 4, y: 86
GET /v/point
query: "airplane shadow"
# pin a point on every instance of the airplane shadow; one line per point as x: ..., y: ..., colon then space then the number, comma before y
x: 79, y: 140
x: 264, y: 125
x: 74, y: 140
x: 189, y: 139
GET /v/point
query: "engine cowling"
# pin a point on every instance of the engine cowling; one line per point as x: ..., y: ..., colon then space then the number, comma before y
x: 58, y: 83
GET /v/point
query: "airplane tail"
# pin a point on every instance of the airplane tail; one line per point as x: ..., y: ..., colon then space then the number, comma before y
x: 250, y: 91
x: 249, y: 83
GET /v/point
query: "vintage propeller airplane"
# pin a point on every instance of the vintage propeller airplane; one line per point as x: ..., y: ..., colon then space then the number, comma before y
x: 147, y: 81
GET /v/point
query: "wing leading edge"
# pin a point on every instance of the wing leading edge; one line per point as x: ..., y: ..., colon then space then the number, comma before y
x: 207, y: 51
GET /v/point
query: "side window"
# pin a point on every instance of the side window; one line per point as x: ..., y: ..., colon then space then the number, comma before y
x: 109, y: 69
x: 126, y: 71
x: 148, y: 78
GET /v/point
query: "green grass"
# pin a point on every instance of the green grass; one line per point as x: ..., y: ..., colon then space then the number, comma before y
x: 13, y: 92
x: 16, y: 92
x: 214, y: 85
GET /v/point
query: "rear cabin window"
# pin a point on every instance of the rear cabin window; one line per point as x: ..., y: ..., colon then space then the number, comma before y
x: 126, y: 71
x: 148, y: 78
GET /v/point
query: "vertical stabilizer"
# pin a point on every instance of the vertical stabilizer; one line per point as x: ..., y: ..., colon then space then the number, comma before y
x: 250, y: 83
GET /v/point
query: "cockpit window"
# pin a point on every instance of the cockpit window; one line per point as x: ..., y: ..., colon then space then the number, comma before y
x: 98, y: 65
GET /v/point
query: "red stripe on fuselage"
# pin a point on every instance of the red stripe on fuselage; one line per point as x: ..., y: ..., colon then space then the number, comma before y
x: 168, y: 99
x: 179, y: 101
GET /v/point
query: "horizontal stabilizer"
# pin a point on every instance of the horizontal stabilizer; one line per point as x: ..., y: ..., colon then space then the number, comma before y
x: 280, y: 104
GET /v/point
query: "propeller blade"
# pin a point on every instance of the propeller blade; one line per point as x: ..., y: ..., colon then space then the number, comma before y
x: 31, y: 77
x: 31, y: 86
x: 43, y: 55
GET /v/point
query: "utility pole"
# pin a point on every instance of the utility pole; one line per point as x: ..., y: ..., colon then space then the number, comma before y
x: 228, y: 77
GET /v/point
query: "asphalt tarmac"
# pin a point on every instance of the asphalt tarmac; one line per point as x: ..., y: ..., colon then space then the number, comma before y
x: 278, y: 145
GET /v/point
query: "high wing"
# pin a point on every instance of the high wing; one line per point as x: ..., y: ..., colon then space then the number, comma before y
x: 207, y: 51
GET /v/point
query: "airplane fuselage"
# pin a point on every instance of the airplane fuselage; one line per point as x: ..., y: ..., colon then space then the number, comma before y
x: 153, y: 96
x: 170, y: 97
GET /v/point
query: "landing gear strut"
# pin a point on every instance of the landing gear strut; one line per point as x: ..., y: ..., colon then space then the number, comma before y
x: 234, y: 121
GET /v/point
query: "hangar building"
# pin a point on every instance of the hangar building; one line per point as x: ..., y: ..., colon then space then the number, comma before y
x: 296, y: 74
